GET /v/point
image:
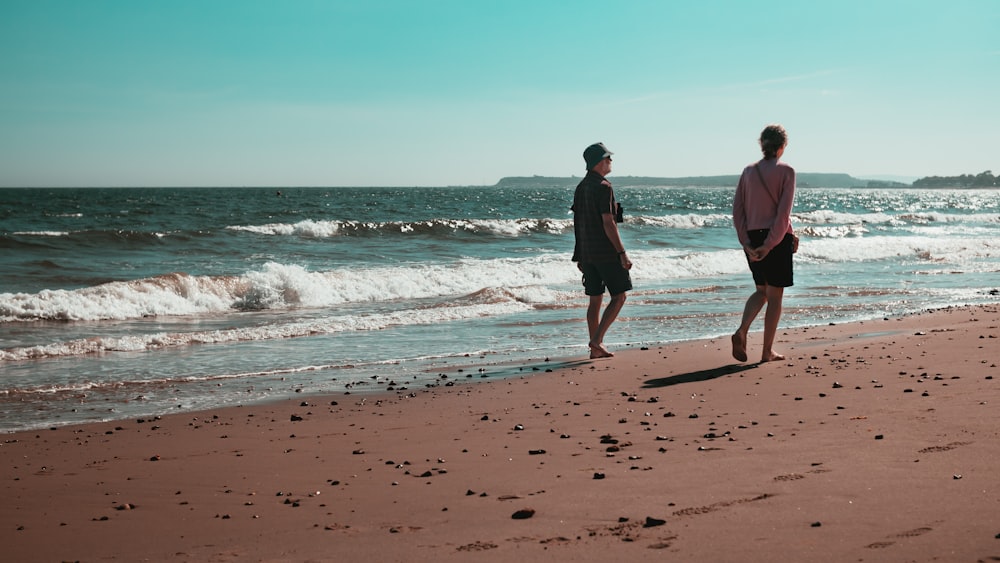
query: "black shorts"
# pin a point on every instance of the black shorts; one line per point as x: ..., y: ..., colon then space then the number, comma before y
x: 600, y: 275
x: 776, y: 268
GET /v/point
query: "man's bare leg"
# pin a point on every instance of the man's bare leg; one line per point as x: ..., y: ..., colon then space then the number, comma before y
x: 753, y: 306
x: 594, y: 320
x: 771, y: 318
x: 598, y: 329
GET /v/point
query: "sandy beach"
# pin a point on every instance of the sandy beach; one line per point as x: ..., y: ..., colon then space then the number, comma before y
x: 874, y: 441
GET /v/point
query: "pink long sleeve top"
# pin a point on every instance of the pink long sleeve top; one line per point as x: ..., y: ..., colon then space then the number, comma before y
x: 758, y: 206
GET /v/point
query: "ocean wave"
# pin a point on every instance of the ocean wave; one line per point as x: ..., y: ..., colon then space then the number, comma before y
x: 42, y: 233
x: 958, y: 251
x: 828, y: 217
x: 684, y: 221
x: 327, y: 229
x: 838, y: 231
x: 278, y: 286
x: 938, y: 217
x: 330, y: 325
x: 97, y: 237
x: 282, y: 286
x: 320, y: 229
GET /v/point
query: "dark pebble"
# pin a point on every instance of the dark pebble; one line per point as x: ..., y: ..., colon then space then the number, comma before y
x: 598, y: 476
x: 523, y: 514
x: 651, y: 522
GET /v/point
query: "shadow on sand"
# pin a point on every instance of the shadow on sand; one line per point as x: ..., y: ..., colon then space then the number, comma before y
x: 702, y: 375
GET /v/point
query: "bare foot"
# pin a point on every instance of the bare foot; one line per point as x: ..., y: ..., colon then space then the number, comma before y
x: 739, y: 347
x: 772, y: 357
x: 599, y: 351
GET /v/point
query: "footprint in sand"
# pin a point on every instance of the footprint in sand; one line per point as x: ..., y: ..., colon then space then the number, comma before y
x: 944, y: 448
x: 914, y: 533
x: 477, y: 546
x: 907, y: 534
x: 880, y: 545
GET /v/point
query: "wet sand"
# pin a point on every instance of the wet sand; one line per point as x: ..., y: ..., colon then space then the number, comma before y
x: 874, y: 441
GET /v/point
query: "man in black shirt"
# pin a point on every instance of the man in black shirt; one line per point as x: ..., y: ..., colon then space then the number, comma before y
x: 599, y: 252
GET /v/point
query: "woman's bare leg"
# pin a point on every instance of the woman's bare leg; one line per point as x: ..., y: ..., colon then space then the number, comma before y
x: 771, y: 318
x: 754, y: 304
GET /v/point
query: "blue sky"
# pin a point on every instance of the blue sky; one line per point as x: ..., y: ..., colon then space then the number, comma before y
x: 464, y: 92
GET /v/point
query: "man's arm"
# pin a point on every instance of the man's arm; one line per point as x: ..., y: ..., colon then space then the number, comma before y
x: 611, y: 230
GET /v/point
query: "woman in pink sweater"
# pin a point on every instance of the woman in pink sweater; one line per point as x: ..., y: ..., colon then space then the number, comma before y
x: 762, y: 209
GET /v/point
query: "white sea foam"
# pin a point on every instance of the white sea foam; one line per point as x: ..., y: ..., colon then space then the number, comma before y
x: 937, y: 217
x: 42, y: 233
x: 277, y: 286
x: 174, y: 294
x: 838, y: 231
x: 329, y: 325
x: 309, y: 228
x: 327, y: 229
x: 684, y: 221
x: 911, y: 249
x: 280, y: 286
x: 827, y: 217
x: 519, y: 227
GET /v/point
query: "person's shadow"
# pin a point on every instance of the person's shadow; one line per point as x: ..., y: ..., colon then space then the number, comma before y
x: 702, y: 375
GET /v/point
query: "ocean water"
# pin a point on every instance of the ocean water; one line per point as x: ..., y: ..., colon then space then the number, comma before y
x: 121, y: 303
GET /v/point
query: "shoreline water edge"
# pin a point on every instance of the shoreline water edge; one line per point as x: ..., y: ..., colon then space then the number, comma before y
x: 121, y: 303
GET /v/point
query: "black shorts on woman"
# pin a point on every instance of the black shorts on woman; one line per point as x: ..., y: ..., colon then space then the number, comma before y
x: 776, y: 268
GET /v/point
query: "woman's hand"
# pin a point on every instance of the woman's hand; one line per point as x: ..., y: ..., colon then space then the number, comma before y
x: 755, y: 254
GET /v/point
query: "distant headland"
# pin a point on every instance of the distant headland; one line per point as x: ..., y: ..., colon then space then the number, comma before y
x: 803, y: 180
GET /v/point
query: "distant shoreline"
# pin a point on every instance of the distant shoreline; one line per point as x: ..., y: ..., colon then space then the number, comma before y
x: 803, y: 180
x: 984, y: 180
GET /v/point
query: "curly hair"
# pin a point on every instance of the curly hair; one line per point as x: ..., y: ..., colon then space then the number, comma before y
x: 772, y: 138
